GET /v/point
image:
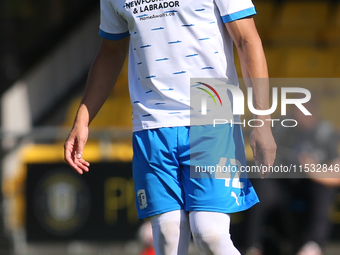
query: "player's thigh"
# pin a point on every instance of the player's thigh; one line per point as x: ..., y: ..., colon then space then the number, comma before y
x: 215, y: 180
x: 156, y: 172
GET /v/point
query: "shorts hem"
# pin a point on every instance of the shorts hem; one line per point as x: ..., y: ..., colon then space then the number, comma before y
x: 153, y: 213
x: 220, y: 210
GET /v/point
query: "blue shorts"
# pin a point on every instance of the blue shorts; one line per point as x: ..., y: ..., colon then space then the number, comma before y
x: 192, y: 168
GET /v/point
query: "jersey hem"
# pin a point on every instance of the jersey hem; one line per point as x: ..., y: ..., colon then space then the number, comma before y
x: 113, y: 37
x: 184, y: 124
x: 144, y: 127
x: 239, y: 15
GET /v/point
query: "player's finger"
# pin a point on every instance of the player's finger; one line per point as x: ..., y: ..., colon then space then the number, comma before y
x: 269, y: 156
x: 74, y: 165
x: 256, y: 154
x: 77, y: 168
x: 79, y: 148
x: 84, y: 162
x: 68, y: 149
x: 261, y: 162
x: 84, y: 165
x: 70, y: 159
x: 81, y: 163
x: 257, y: 157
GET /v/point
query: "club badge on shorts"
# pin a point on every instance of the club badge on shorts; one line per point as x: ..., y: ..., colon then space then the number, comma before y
x: 142, y: 199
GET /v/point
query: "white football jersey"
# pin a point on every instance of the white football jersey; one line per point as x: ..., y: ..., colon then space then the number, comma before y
x: 172, y: 41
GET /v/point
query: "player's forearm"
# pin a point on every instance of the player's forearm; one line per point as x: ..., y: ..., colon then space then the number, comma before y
x: 255, y: 72
x: 101, y: 80
x: 252, y: 57
x: 253, y: 61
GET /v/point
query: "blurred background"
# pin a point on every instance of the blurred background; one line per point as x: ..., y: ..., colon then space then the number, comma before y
x: 47, y: 47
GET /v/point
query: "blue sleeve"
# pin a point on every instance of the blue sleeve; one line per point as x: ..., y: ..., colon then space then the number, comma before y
x: 112, y: 25
x: 239, y: 15
x: 113, y: 37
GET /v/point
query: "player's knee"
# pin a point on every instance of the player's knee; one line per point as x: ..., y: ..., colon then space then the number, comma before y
x: 211, y: 233
x: 207, y: 244
x: 171, y: 233
x: 215, y: 244
x: 168, y: 233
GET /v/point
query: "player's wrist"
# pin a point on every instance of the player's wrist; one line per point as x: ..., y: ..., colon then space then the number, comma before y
x: 263, y: 120
x: 78, y: 124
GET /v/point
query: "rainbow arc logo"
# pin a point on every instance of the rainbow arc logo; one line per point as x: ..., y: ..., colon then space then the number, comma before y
x: 209, y: 93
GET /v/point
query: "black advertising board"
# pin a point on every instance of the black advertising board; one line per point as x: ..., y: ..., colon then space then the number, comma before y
x: 62, y: 205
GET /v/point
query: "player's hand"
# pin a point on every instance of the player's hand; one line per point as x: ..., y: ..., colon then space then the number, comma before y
x: 264, y: 147
x: 74, y: 148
